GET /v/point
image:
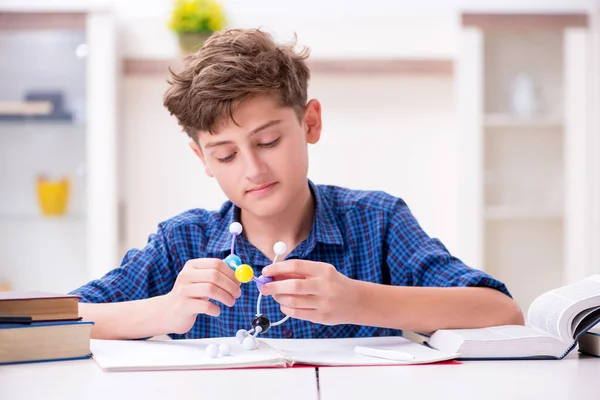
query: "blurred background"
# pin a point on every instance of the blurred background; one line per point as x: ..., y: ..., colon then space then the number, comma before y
x: 481, y: 115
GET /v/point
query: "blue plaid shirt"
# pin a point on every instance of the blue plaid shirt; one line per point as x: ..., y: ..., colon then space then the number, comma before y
x: 367, y: 235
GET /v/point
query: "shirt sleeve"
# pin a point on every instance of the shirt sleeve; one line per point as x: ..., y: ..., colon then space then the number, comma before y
x: 415, y: 259
x: 143, y: 273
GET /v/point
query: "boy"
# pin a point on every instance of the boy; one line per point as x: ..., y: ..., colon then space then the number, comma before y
x: 357, y: 262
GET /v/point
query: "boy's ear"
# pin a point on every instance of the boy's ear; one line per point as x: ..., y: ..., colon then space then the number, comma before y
x: 312, y: 119
x: 198, y: 151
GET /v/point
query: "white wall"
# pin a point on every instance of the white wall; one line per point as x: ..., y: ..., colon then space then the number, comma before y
x: 595, y: 125
x: 160, y: 176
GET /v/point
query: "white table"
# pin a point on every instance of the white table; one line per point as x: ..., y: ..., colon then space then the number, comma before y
x: 83, y: 379
x: 575, y: 377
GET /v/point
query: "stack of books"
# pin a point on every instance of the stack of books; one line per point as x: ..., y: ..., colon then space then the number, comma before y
x: 589, y: 342
x: 41, y: 326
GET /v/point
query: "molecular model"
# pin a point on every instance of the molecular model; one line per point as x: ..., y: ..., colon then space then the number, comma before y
x: 244, y: 273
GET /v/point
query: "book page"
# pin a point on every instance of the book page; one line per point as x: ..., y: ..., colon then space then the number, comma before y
x: 554, y: 311
x: 499, y: 333
x: 579, y: 318
x: 132, y: 355
x: 460, y: 340
x: 595, y: 329
x: 332, y: 352
x: 508, y: 341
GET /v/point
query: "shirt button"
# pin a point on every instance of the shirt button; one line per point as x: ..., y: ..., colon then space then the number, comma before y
x: 288, y: 334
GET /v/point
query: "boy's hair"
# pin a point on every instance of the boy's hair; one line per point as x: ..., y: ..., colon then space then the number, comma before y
x: 233, y: 66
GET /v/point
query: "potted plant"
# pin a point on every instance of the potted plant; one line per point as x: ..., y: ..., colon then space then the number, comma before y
x: 194, y: 21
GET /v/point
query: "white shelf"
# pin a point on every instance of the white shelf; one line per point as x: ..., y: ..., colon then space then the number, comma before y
x: 38, y: 218
x: 28, y: 124
x: 511, y: 121
x: 505, y: 213
x: 81, y: 245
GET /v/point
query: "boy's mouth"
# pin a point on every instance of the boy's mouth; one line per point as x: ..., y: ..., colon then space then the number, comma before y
x: 262, y: 188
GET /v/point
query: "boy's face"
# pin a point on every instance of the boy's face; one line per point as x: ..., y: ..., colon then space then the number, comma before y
x: 262, y: 164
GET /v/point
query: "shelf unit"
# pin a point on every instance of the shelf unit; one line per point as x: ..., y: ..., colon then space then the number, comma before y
x: 72, y: 52
x: 507, y: 213
x: 526, y: 181
x: 434, y: 66
x: 505, y: 120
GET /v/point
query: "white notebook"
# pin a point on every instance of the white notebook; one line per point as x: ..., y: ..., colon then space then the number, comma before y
x: 132, y: 355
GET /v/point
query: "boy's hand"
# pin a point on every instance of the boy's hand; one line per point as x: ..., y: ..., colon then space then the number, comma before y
x: 312, y: 291
x: 199, y: 280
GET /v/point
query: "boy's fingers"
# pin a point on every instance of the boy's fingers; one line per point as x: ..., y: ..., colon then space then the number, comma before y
x: 215, y: 263
x: 300, y: 313
x: 297, y: 301
x: 211, y: 291
x: 289, y: 286
x: 292, y: 267
x: 197, y: 271
x: 283, y: 277
x: 215, y: 277
x: 201, y: 306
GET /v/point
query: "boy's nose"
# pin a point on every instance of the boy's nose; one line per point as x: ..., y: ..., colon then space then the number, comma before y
x: 255, y: 167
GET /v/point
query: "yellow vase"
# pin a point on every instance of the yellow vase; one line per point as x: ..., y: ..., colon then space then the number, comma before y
x: 53, y: 196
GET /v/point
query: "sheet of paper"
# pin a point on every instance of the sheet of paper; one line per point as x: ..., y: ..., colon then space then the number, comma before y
x: 130, y: 355
x: 335, y: 352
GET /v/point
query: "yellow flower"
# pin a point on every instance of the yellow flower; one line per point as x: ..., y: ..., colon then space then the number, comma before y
x: 197, y: 16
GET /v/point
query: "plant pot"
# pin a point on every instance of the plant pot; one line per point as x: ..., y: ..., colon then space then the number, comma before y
x: 190, y: 42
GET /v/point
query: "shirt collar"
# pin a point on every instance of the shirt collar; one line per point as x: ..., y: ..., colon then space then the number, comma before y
x: 325, y: 228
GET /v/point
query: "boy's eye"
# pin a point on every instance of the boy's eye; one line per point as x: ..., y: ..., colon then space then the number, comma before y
x: 231, y: 156
x: 226, y: 159
x: 270, y: 144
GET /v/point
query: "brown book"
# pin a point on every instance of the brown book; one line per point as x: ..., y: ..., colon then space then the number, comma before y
x: 40, y: 306
x: 45, y: 341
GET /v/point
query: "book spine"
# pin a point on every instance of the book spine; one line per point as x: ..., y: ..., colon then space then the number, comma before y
x: 569, y: 349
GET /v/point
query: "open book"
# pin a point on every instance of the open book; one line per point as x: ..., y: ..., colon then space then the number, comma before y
x: 555, y: 320
x: 132, y: 355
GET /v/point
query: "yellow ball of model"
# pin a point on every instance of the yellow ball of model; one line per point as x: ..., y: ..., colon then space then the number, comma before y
x: 244, y: 273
